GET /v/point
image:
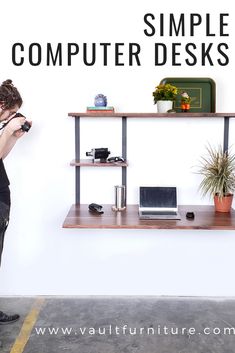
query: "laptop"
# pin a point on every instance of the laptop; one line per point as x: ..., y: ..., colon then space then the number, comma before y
x: 158, y: 203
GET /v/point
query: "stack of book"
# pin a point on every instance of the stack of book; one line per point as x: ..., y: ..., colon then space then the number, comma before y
x: 100, y: 109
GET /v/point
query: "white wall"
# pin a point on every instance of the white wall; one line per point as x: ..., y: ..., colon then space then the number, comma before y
x: 42, y: 258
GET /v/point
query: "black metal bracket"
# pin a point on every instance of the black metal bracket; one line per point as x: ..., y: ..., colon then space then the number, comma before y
x: 77, y: 158
x: 226, y: 134
x: 124, y: 149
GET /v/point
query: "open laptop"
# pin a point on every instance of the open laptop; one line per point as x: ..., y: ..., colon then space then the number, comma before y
x: 158, y: 203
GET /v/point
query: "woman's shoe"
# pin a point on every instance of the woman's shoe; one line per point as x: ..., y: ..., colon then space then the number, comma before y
x: 8, y: 319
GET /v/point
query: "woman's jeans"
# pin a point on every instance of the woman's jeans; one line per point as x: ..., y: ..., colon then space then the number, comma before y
x: 4, y: 219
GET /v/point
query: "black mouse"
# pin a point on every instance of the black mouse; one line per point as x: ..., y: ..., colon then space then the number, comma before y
x: 190, y: 215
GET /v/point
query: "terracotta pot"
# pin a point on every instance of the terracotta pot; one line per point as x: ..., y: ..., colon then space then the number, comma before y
x: 185, y: 107
x: 224, y: 204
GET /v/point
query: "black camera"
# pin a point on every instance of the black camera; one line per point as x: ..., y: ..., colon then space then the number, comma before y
x: 99, y: 153
x: 26, y: 126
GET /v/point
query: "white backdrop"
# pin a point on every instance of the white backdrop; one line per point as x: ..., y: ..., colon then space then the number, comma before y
x: 42, y: 258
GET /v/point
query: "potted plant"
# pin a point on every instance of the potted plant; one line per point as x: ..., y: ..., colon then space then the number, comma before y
x: 185, y: 101
x: 218, y: 177
x: 164, y: 95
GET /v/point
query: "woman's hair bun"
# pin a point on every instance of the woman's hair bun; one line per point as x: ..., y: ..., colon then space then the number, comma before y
x: 7, y: 83
x: 9, y: 95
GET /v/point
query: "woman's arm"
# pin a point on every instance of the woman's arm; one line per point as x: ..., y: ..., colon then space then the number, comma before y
x: 10, y: 135
x: 4, y: 141
x: 9, y: 145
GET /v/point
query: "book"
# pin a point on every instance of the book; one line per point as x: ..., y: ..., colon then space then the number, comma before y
x: 100, y: 108
x: 99, y: 112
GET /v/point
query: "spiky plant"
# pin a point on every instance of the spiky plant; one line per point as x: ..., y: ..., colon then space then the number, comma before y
x: 218, y: 171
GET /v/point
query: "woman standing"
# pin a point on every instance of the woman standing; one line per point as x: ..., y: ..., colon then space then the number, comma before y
x: 10, y: 102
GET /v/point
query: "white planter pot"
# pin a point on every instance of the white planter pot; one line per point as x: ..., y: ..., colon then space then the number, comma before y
x: 164, y: 106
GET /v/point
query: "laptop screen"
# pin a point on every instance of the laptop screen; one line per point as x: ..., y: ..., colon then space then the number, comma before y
x: 158, y: 197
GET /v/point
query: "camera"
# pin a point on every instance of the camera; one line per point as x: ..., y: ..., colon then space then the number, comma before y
x: 26, y: 126
x: 99, y: 153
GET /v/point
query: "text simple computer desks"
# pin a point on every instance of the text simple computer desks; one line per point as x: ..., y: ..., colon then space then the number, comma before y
x: 205, y: 216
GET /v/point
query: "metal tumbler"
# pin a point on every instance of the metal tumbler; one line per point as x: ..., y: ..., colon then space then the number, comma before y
x: 120, y: 197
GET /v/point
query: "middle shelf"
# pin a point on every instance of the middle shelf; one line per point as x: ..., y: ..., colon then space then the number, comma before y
x: 90, y: 163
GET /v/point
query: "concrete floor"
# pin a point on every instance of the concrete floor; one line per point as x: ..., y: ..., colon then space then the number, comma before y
x: 84, y: 314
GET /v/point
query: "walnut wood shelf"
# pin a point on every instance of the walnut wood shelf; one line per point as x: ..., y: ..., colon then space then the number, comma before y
x: 89, y: 163
x: 152, y: 115
x: 205, y: 219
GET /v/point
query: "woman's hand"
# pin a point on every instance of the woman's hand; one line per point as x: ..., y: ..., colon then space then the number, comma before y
x: 20, y: 132
x: 14, y: 126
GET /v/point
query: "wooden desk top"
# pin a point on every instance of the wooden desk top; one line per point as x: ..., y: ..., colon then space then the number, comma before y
x: 205, y: 218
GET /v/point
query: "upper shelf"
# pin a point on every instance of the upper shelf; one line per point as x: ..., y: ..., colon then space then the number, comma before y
x: 152, y: 115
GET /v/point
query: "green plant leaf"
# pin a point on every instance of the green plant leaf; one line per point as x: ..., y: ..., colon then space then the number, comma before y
x: 217, y: 169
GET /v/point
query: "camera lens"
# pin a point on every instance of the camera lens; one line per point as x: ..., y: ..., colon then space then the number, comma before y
x: 26, y: 126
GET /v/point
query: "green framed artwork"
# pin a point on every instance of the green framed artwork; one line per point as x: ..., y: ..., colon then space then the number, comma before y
x: 200, y: 89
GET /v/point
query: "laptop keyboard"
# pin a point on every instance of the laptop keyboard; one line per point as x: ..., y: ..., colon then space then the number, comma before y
x: 158, y: 213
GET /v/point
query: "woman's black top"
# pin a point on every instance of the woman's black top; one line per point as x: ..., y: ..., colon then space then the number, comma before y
x: 4, y: 185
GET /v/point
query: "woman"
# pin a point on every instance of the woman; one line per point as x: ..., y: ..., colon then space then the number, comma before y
x: 10, y: 102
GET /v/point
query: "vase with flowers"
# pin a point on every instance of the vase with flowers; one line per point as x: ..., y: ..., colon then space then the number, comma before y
x: 164, y: 96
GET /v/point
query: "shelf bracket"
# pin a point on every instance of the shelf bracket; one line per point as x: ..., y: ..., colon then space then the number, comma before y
x: 124, y: 149
x: 77, y: 158
x: 226, y: 134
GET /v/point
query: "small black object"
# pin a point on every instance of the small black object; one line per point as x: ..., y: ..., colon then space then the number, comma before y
x: 94, y: 207
x: 172, y: 111
x: 8, y: 319
x: 190, y: 215
x: 116, y: 159
x: 26, y: 126
x: 99, y: 153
